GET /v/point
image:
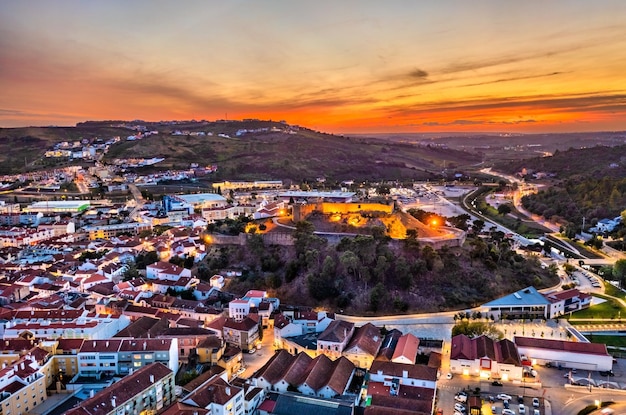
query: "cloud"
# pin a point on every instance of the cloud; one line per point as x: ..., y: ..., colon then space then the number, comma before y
x: 418, y: 73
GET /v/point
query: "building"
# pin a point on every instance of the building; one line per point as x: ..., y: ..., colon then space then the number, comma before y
x: 243, y: 334
x: 485, y: 358
x: 149, y: 389
x: 22, y: 386
x: 317, y: 376
x: 525, y: 303
x: 406, y: 349
x: 110, y: 231
x: 335, y: 338
x: 400, y: 386
x: 166, y: 271
x: 364, y: 346
x: 58, y: 206
x: 575, y: 355
x: 218, y: 397
x: 567, y: 301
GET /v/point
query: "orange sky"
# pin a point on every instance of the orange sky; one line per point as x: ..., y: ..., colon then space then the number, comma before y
x: 337, y: 66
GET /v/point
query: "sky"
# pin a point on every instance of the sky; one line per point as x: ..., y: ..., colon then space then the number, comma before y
x: 338, y: 66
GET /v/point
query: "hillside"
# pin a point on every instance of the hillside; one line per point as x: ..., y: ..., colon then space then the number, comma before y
x: 598, y: 161
x: 587, y: 183
x: 272, y: 150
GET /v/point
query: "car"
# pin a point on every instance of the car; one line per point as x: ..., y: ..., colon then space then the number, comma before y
x: 536, y: 412
x: 496, y: 383
x: 460, y: 398
x: 566, y: 375
x: 533, y: 373
x: 503, y: 397
x: 458, y: 413
x: 607, y: 373
x: 536, y: 402
x: 520, y: 399
x: 505, y: 404
x: 506, y: 411
x: 459, y: 407
x: 449, y: 376
x: 252, y: 350
x: 522, y: 409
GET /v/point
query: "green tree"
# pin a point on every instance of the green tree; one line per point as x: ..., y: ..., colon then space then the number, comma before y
x: 504, y: 209
x: 378, y: 297
x: 619, y: 271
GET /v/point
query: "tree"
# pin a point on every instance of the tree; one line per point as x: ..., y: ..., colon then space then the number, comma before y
x: 619, y: 271
x: 504, y: 209
x: 378, y: 296
x: 478, y: 225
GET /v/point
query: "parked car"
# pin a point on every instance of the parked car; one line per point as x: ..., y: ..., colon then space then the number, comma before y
x: 496, y: 383
x: 503, y: 397
x: 459, y: 407
x: 536, y: 412
x: 460, y: 398
x: 606, y: 373
x: 522, y: 409
x: 520, y: 399
x: 536, y: 402
x: 449, y: 376
x: 252, y: 350
x: 508, y: 412
x: 505, y: 404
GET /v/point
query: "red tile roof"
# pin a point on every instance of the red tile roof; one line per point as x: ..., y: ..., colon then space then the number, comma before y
x: 562, y: 345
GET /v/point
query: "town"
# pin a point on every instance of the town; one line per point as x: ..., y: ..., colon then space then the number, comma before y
x: 106, y: 309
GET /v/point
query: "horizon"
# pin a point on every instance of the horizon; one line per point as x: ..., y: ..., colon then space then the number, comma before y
x: 353, y: 67
x: 371, y: 133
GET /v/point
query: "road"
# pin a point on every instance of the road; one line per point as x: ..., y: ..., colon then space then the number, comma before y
x: 139, y: 201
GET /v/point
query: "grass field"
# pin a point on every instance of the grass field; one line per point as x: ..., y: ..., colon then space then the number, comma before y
x: 613, y: 291
x: 609, y: 340
x: 606, y: 310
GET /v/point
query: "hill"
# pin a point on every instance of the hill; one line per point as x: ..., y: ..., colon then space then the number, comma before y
x: 586, y: 183
x: 251, y: 149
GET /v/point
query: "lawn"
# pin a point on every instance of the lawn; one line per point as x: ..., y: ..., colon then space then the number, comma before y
x: 610, y: 289
x: 606, y: 310
x: 617, y: 341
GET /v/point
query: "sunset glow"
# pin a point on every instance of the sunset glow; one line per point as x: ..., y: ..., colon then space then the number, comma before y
x: 337, y: 66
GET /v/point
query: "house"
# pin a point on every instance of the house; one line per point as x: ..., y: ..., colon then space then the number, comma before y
x: 567, y: 301
x: 578, y: 355
x: 295, y: 403
x: 406, y: 349
x: 210, y: 350
x: 218, y: 397
x: 485, y: 358
x: 364, y: 346
x: 239, y: 309
x: 166, y: 271
x: 318, y: 376
x: 335, y: 338
x: 243, y: 334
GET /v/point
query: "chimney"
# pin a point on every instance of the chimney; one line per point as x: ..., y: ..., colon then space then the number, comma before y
x: 22, y: 365
x: 6, y: 342
x: 151, y: 378
x: 113, y: 402
x: 107, y: 344
x: 92, y: 392
x: 228, y: 390
x: 145, y: 345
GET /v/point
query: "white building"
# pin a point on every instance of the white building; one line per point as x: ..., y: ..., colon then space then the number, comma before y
x: 568, y: 354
